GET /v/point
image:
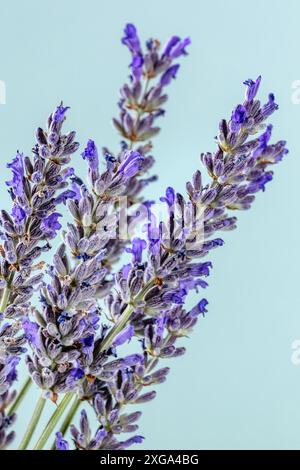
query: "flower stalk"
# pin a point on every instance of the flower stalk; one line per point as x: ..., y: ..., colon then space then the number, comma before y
x: 33, y: 423
x: 42, y: 441
x: 20, y: 397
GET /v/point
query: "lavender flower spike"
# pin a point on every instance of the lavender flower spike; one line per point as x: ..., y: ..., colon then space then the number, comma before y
x: 25, y: 233
x: 33, y: 190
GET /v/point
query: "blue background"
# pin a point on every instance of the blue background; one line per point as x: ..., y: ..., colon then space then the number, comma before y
x: 236, y: 387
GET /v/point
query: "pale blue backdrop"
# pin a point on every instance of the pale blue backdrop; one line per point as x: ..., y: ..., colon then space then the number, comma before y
x: 237, y: 386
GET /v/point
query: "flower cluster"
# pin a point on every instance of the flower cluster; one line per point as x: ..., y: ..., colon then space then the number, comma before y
x: 141, y: 105
x: 141, y: 97
x: 149, y: 293
x: 7, y: 377
x: 89, y: 308
x: 38, y: 185
x: 35, y: 189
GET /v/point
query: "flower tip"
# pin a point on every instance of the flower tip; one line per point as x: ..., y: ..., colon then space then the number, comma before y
x: 90, y: 154
x: 59, y: 113
x: 129, y: 27
x: 187, y: 41
x: 202, y: 306
x: 137, y: 439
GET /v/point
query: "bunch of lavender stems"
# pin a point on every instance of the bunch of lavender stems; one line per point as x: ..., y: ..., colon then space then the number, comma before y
x: 89, y: 307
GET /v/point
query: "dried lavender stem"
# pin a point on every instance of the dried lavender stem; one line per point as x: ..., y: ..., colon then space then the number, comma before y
x: 33, y: 423
x: 53, y: 421
x: 20, y: 396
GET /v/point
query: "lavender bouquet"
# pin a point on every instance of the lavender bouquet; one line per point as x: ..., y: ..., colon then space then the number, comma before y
x: 70, y: 320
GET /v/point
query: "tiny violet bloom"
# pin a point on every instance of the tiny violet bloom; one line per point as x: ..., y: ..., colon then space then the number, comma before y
x: 18, y: 213
x: 138, y: 246
x: 131, y: 39
x: 59, y: 114
x: 252, y: 89
x: 60, y: 442
x: 171, y: 43
x: 124, y: 336
x: 131, y: 164
x: 239, y: 114
x: 180, y: 48
x: 90, y: 154
x: 17, y: 168
x: 64, y: 196
x: 169, y: 75
x: 51, y: 225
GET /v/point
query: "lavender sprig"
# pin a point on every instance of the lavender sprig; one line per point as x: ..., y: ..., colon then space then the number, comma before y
x: 11, y: 346
x: 149, y: 295
x: 141, y: 102
x: 8, y: 376
x: 33, y: 190
x: 93, y: 238
x: 236, y: 176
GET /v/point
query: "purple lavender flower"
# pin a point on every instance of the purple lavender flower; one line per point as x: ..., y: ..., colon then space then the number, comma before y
x: 131, y: 39
x: 59, y: 114
x: 8, y: 375
x: 252, y: 89
x: 140, y: 108
x: 138, y: 245
x: 171, y: 43
x: 131, y: 164
x: 51, y: 225
x: 137, y: 66
x: 31, y: 330
x: 239, y: 115
x: 60, y: 442
x: 90, y: 154
x: 64, y: 196
x: 33, y: 189
x: 18, y: 213
x: 17, y: 168
x: 180, y: 48
x: 169, y: 75
x: 175, y: 47
x: 200, y: 308
x: 124, y: 337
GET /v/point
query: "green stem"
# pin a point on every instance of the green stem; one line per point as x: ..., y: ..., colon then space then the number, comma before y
x: 4, y: 298
x: 106, y: 343
x: 20, y: 396
x: 53, y: 421
x: 68, y: 419
x: 140, y: 112
x: 33, y: 423
x: 118, y: 327
x: 6, y: 293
